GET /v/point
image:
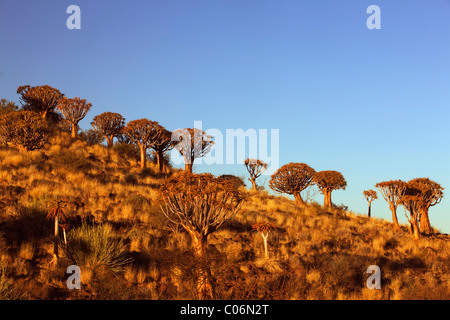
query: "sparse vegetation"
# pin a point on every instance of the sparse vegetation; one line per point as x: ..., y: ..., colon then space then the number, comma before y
x: 191, y: 236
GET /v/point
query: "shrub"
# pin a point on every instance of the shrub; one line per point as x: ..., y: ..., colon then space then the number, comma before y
x: 7, y: 290
x: 95, y: 246
x: 91, y: 136
x: 127, y: 150
x: 71, y: 161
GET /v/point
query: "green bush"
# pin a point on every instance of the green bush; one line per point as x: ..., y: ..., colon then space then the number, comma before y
x: 96, y: 246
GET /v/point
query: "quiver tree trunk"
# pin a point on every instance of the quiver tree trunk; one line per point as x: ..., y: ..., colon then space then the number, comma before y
x: 74, y: 130
x: 299, y: 200
x: 425, y: 225
x: 205, y: 290
x: 327, y: 198
x: 188, y: 167
x: 368, y: 213
x: 160, y: 161
x: 415, y: 229
x: 253, y: 181
x: 55, y: 240
x: 394, y: 217
x: 109, y: 141
x: 143, y: 156
x: 266, y: 251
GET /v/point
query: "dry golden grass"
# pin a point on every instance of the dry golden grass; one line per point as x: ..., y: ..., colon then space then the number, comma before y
x: 314, y: 253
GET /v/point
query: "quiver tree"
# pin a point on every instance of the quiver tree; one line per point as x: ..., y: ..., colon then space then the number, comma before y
x: 264, y: 228
x: 74, y: 110
x: 56, y: 212
x: 255, y: 168
x: 109, y: 125
x: 142, y: 132
x: 327, y: 181
x: 201, y: 204
x: 192, y: 143
x: 40, y: 99
x: 392, y: 191
x: 161, y: 144
x: 292, y: 179
x: 412, y: 202
x: 24, y: 129
x: 370, y: 195
x: 431, y: 193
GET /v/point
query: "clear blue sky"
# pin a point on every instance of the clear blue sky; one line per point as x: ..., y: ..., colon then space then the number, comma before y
x: 372, y: 104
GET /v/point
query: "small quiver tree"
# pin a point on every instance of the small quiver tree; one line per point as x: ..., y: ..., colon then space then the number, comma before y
x: 264, y: 228
x: 74, y: 110
x: 201, y: 204
x: 370, y: 195
x: 255, y: 168
x: 327, y: 181
x: 292, y: 179
x: 57, y: 213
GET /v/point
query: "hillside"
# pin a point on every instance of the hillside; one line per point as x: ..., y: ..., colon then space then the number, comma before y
x: 313, y: 254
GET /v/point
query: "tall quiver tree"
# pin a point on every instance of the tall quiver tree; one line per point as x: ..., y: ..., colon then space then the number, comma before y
x: 162, y: 143
x: 431, y: 193
x: 74, y: 110
x: 201, y: 204
x: 392, y: 191
x: 370, y: 195
x: 192, y: 143
x: 327, y: 181
x: 109, y: 125
x: 292, y: 179
x: 40, y: 99
x: 255, y: 168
